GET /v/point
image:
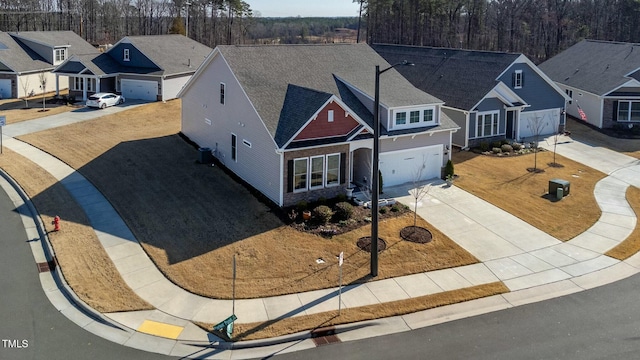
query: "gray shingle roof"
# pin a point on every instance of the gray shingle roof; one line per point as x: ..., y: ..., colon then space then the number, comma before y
x: 76, y: 44
x: 459, y: 77
x: 266, y: 72
x: 172, y: 52
x: 20, y: 58
x: 299, y: 105
x: 594, y: 66
x: 100, y: 64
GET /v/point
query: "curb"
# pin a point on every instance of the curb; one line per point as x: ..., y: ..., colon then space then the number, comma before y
x: 49, y: 254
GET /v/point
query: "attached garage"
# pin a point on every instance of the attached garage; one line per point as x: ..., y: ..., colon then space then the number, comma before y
x: 545, y: 121
x: 403, y: 166
x: 5, y: 88
x: 139, y: 89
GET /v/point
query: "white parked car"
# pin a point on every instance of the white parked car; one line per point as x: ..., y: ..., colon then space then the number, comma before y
x: 102, y: 100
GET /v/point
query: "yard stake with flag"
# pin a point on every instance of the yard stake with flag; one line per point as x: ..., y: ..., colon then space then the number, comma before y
x: 583, y: 116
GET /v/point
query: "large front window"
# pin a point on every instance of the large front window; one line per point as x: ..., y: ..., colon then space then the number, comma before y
x: 628, y: 110
x: 333, y: 169
x: 488, y: 124
x: 316, y: 172
x: 78, y: 84
x: 300, y: 174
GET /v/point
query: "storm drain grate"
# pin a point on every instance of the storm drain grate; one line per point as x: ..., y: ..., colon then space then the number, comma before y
x: 325, y: 340
x: 47, y: 266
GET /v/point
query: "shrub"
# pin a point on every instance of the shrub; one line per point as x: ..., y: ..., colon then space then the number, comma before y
x: 395, y: 208
x: 383, y: 210
x: 344, y: 210
x: 506, y: 148
x: 302, y: 206
x: 448, y: 169
x: 496, y: 144
x: 504, y: 141
x: 484, y: 146
x: 323, y: 214
x: 516, y: 146
x: 340, y: 198
x: 496, y: 150
x: 322, y: 200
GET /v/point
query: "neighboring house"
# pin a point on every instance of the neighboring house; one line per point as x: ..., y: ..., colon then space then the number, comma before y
x: 296, y: 123
x: 603, y: 80
x: 490, y: 95
x: 153, y: 67
x: 27, y: 56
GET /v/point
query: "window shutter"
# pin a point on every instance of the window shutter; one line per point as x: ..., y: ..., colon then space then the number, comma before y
x: 513, y: 80
x: 522, y: 79
x: 614, y: 116
x: 343, y: 167
x: 290, y: 176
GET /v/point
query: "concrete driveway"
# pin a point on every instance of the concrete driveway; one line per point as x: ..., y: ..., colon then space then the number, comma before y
x: 66, y: 118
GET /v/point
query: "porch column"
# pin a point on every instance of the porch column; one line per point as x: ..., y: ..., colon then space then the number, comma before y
x: 97, y: 85
x: 84, y: 88
x: 57, y: 84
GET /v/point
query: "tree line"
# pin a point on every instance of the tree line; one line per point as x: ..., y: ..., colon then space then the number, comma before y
x: 537, y: 28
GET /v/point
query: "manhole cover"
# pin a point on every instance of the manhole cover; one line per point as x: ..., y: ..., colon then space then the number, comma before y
x: 364, y: 243
x: 416, y: 234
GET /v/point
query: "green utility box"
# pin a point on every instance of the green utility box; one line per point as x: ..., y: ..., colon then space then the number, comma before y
x: 559, y: 187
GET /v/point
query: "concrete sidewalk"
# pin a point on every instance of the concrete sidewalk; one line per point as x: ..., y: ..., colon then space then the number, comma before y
x: 532, y: 264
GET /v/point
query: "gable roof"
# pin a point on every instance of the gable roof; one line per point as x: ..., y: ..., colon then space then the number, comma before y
x: 460, y: 77
x: 595, y: 66
x: 174, y: 53
x: 70, y: 39
x: 18, y: 57
x: 267, y: 73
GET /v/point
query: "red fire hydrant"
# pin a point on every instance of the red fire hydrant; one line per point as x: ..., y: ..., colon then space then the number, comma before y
x: 56, y: 223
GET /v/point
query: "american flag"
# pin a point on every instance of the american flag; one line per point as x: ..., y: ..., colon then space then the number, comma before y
x: 583, y: 116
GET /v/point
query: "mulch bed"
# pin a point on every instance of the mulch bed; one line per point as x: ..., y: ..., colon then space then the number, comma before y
x: 416, y: 234
x: 364, y: 243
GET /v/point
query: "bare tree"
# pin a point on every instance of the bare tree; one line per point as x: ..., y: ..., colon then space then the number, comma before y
x: 420, y: 190
x: 43, y: 85
x: 555, y: 123
x: 24, y: 84
x: 536, y: 124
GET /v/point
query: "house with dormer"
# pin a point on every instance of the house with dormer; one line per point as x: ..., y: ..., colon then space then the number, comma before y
x: 295, y: 121
x: 602, y: 79
x: 28, y: 56
x: 153, y: 67
x: 491, y: 95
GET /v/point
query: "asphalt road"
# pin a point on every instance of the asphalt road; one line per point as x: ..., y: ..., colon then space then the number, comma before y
x: 30, y: 327
x: 603, y: 323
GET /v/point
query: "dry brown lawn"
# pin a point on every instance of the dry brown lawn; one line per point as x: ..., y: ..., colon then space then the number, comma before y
x: 84, y: 263
x: 279, y: 327
x: 192, y: 218
x: 15, y: 110
x: 506, y: 183
x: 582, y: 132
x: 631, y: 245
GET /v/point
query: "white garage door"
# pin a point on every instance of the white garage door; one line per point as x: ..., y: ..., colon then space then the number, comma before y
x: 543, y: 122
x: 5, y: 88
x: 400, y: 167
x: 139, y: 89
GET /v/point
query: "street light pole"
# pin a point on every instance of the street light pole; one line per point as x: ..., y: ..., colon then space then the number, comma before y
x: 375, y: 176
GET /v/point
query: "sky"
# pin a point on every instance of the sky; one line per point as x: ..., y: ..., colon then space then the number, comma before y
x: 304, y: 8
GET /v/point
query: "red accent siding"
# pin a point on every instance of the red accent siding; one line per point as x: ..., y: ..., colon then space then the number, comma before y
x: 320, y: 127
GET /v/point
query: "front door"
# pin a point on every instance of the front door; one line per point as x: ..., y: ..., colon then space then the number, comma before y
x: 511, y: 117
